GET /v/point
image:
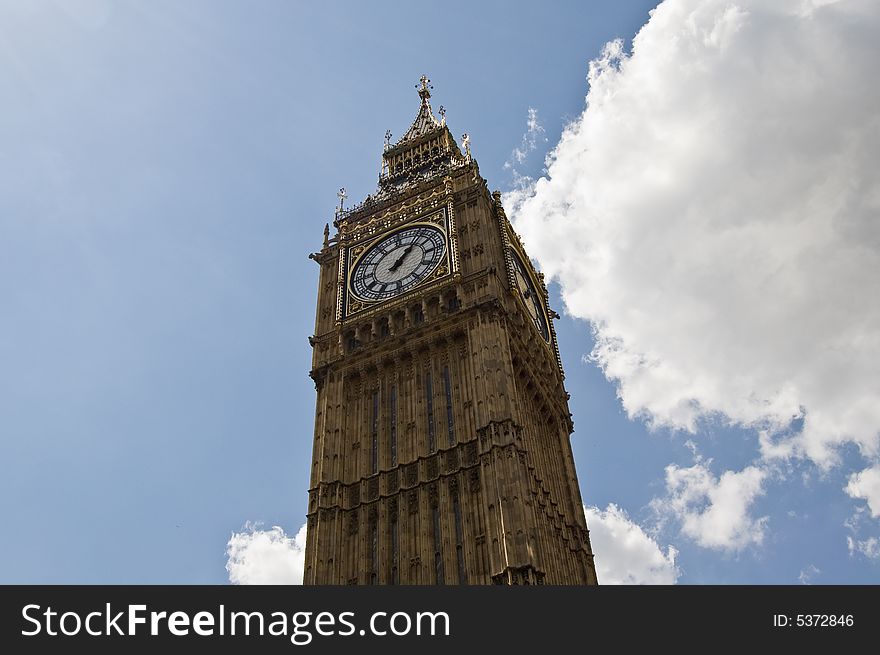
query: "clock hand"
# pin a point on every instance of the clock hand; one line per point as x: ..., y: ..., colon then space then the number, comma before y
x: 400, y: 259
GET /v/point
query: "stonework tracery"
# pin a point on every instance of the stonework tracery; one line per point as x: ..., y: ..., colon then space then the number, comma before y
x: 441, y: 451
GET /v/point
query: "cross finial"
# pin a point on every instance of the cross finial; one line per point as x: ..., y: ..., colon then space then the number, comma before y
x: 387, y: 139
x: 425, y: 88
x: 343, y: 196
x: 442, y: 112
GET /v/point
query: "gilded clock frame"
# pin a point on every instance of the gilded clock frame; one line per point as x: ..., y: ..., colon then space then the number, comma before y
x: 439, y: 219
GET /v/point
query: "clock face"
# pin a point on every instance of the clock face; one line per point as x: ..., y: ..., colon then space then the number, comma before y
x: 534, y: 302
x: 398, y: 262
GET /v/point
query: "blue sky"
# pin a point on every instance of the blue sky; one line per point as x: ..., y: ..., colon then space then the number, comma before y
x: 167, y: 168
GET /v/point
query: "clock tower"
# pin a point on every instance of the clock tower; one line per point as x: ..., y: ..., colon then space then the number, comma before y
x: 441, y: 450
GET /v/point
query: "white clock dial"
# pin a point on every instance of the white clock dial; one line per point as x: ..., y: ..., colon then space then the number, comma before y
x: 398, y: 262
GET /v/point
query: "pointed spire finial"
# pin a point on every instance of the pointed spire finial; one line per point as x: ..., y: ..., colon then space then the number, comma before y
x: 326, y: 234
x: 425, y: 120
x: 343, y: 196
x: 387, y: 139
x: 466, y: 142
x: 425, y: 88
x: 442, y: 112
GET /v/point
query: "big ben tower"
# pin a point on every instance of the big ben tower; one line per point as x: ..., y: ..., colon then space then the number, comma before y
x: 441, y: 451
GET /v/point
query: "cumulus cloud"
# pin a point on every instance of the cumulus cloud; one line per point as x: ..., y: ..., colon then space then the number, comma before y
x: 715, y: 213
x: 714, y: 511
x: 265, y: 556
x: 866, y: 484
x: 626, y: 554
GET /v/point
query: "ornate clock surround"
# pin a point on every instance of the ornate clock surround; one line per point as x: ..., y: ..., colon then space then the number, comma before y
x: 439, y: 215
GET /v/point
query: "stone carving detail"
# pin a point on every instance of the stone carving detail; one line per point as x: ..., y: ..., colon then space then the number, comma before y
x: 470, y: 453
x: 474, y: 479
x: 354, y: 494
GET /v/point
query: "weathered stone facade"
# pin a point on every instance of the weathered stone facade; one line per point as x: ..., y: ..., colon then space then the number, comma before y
x: 441, y: 450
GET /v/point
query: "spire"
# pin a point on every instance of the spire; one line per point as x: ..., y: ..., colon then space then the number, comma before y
x: 425, y: 120
x: 425, y: 151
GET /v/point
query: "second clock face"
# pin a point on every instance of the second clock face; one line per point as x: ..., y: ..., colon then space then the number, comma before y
x: 534, y: 302
x: 398, y: 262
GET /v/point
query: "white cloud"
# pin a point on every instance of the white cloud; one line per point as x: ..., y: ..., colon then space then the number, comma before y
x: 714, y: 511
x: 806, y: 575
x: 869, y: 547
x: 529, y: 143
x: 265, y: 556
x: 625, y: 553
x: 715, y: 213
x: 866, y: 484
